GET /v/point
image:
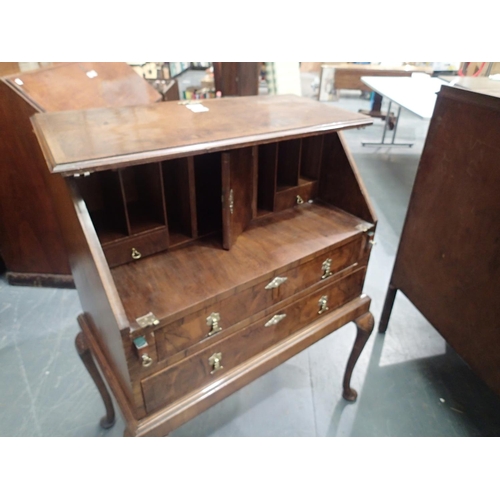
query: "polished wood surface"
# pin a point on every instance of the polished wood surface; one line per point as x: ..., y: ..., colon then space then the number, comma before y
x: 85, y: 354
x: 195, y: 372
x: 68, y: 86
x: 340, y: 184
x: 30, y: 238
x: 239, y: 172
x: 279, y: 242
x: 179, y: 335
x: 217, y: 249
x: 97, y: 139
x: 364, y: 326
x: 448, y: 258
x: 31, y: 243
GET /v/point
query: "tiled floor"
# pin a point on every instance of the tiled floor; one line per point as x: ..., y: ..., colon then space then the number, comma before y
x: 409, y: 382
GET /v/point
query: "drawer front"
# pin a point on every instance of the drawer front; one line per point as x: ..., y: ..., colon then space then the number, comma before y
x: 196, y: 327
x: 203, y: 368
x: 122, y: 252
x: 288, y: 197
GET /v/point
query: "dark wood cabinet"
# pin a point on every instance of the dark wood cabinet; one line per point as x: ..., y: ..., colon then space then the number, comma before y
x: 448, y: 261
x: 237, y: 78
x: 31, y: 242
x: 208, y: 247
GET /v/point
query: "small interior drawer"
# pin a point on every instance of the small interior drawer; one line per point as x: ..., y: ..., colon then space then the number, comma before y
x: 292, y: 196
x: 135, y: 248
x: 199, y: 370
x: 196, y: 327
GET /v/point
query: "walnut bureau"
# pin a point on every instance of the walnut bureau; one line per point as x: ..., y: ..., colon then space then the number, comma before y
x: 207, y: 247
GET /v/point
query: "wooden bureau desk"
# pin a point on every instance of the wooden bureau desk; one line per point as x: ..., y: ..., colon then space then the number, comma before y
x: 208, y: 247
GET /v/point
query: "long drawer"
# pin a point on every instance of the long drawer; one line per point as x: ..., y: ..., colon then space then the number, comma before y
x: 201, y: 369
x: 216, y: 319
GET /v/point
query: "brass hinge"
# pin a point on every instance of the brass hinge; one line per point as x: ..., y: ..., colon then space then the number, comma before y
x: 148, y: 319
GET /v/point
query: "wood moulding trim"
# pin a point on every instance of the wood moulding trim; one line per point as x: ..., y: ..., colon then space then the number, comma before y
x: 41, y: 280
x: 127, y: 160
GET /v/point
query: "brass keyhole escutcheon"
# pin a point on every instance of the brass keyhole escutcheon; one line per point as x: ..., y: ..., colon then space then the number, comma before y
x: 326, y: 268
x: 213, y: 323
x: 146, y: 360
x: 323, y: 304
x: 136, y: 254
x: 215, y: 362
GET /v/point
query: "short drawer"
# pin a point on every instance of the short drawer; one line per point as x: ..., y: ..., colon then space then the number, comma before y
x: 288, y: 197
x: 203, y: 368
x: 135, y: 247
x: 195, y: 327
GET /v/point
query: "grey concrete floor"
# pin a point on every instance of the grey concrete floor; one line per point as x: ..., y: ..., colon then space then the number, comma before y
x: 410, y: 383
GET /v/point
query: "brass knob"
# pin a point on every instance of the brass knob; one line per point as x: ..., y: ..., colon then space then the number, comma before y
x: 136, y: 254
x: 146, y: 360
x: 215, y: 362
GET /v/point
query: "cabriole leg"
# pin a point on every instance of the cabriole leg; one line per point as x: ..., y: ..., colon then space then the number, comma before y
x: 365, y: 326
x: 86, y: 356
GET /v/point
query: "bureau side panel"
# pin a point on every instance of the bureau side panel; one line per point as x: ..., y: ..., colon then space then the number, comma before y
x: 95, y: 286
x: 30, y: 237
x: 448, y: 262
x: 340, y: 183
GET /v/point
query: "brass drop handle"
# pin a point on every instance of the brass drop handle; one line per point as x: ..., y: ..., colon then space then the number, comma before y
x: 299, y: 200
x: 213, y: 323
x: 146, y: 360
x: 326, y: 268
x: 136, y: 254
x: 323, y: 304
x: 215, y: 362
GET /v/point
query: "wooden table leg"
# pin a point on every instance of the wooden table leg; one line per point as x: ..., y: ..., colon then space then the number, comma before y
x: 86, y: 356
x: 386, y: 311
x: 365, y: 326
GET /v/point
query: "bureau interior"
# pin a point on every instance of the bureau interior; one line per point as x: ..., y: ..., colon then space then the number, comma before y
x: 179, y: 201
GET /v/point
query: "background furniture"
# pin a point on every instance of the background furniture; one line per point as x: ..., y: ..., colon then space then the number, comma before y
x: 348, y: 76
x: 448, y: 261
x: 236, y: 78
x: 416, y: 94
x: 482, y: 84
x: 31, y: 243
x: 208, y: 247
